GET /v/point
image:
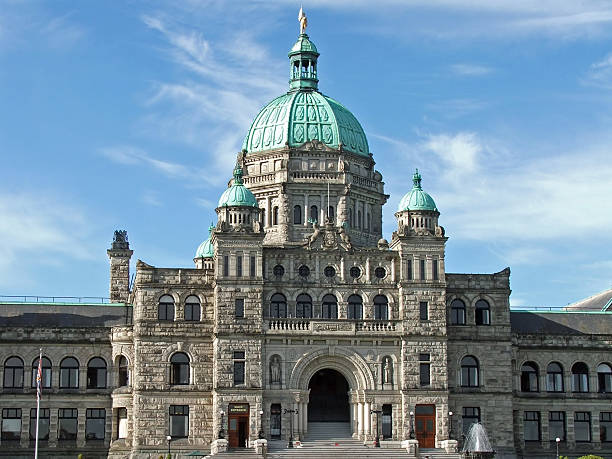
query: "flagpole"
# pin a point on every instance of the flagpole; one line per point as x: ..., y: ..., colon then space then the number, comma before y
x: 38, y: 388
x: 328, y: 200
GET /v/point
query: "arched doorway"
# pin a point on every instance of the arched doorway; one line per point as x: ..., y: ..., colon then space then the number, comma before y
x: 328, y: 397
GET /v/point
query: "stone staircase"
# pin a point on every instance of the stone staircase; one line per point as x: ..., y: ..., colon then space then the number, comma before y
x: 433, y: 453
x: 332, y: 440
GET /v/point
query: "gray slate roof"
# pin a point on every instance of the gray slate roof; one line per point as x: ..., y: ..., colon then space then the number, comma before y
x: 63, y: 315
x: 561, y: 323
x: 598, y: 302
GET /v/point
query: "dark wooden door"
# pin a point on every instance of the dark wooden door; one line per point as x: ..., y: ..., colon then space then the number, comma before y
x: 425, y: 425
x: 238, y: 425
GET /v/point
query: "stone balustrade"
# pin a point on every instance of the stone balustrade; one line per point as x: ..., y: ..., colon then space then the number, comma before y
x: 341, y: 326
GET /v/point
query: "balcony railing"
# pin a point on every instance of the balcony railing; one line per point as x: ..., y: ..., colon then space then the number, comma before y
x: 323, y: 326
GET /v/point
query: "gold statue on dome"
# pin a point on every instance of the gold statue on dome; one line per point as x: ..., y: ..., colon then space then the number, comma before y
x: 303, y: 20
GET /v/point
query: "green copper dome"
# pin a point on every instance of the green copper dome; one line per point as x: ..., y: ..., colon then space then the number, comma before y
x: 237, y: 194
x: 417, y: 199
x: 206, y: 249
x: 304, y: 114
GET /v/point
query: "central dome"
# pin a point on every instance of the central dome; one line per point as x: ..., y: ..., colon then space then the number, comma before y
x: 304, y: 114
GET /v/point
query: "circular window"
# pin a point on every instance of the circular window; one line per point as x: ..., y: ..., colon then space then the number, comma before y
x: 380, y: 272
x: 355, y: 272
x: 329, y: 271
x: 304, y: 271
x: 278, y: 270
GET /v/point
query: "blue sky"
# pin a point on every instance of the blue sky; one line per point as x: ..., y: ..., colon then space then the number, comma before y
x: 130, y: 114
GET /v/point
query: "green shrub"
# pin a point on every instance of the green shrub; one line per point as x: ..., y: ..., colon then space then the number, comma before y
x: 590, y: 456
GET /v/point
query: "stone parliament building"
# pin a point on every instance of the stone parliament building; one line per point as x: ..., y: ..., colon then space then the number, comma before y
x: 298, y: 311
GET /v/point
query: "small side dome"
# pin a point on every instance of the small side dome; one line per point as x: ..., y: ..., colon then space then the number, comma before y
x: 237, y: 195
x: 417, y: 199
x: 206, y: 249
x: 303, y: 45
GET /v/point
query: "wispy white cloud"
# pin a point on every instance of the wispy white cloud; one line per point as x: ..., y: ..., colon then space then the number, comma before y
x: 600, y: 73
x: 456, y: 108
x: 470, y: 69
x: 151, y: 198
x: 41, y: 229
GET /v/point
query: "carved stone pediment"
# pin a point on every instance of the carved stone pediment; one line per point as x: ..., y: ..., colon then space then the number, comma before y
x: 316, y: 144
x: 328, y: 237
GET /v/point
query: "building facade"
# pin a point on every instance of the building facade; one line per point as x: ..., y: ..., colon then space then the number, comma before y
x: 299, y: 311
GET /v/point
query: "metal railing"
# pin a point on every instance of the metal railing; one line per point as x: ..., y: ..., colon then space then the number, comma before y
x: 53, y: 299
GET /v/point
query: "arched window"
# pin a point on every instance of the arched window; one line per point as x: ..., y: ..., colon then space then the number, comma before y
x: 457, y: 312
x: 303, y: 306
x: 554, y: 377
x: 165, y: 308
x: 275, y: 215
x: 359, y: 221
x: 355, y: 307
x: 179, y: 369
x: 329, y: 307
x: 124, y: 372
x: 469, y: 371
x: 330, y: 212
x: 314, y: 213
x: 69, y: 373
x: 278, y: 306
x: 529, y: 377
x: 604, y: 378
x: 580, y: 377
x: 96, y: 373
x: 192, y: 308
x: 297, y: 215
x: 381, y: 307
x: 483, y: 313
x: 45, y: 372
x: 13, y: 372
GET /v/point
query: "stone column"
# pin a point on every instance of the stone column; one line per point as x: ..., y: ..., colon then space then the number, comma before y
x: 366, y: 419
x: 304, y: 414
x: 360, y: 419
x: 296, y: 421
x: 268, y: 212
x: 306, y: 209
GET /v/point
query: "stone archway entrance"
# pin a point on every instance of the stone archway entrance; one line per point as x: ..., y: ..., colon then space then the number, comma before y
x: 329, y: 400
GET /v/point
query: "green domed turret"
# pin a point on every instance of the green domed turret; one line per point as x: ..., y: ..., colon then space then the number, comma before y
x: 237, y: 194
x: 206, y: 249
x: 304, y: 114
x: 417, y: 199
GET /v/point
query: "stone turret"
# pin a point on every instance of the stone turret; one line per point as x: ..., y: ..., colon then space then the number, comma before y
x: 119, y: 255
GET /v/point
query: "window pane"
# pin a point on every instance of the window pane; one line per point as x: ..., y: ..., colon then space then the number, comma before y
x: 532, y: 426
x: 424, y: 374
x: 423, y: 310
x: 556, y: 425
x: 238, y: 373
x: 582, y: 427
x: 605, y: 426
x: 94, y: 427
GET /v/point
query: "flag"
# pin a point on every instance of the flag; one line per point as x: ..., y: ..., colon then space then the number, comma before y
x: 39, y: 378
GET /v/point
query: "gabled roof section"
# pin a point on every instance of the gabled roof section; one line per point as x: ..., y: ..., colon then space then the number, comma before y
x: 601, y: 301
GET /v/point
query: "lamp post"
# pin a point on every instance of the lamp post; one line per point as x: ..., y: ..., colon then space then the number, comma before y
x: 450, y: 425
x: 221, y: 431
x: 412, y: 425
x: 169, y: 438
x: 261, y: 429
x: 291, y: 412
x: 557, y: 441
x: 377, y: 439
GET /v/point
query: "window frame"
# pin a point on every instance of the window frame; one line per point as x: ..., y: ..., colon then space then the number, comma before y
x: 16, y: 372
x: 580, y: 379
x: 381, y: 308
x: 424, y: 370
x: 97, y: 376
x: 123, y: 372
x: 457, y: 312
x: 354, y: 309
x: 482, y: 312
x: 68, y: 416
x: 165, y: 309
x: 329, y: 308
x: 297, y: 215
x: 605, y: 426
x: 587, y: 421
x: 554, y: 379
x: 469, y: 412
x: 179, y: 413
x: 44, y: 414
x: 239, y: 308
x: 72, y: 373
x: 278, y: 306
x: 180, y: 369
x: 470, y: 373
x: 604, y: 378
x: 92, y: 417
x: 12, y: 435
x: 553, y: 434
x: 303, y: 306
x: 532, y: 417
x: 46, y: 373
x: 239, y: 368
x: 530, y: 377
x: 423, y: 310
x: 193, y: 309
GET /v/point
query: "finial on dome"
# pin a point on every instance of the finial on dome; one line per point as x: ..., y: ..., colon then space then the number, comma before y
x: 238, y: 175
x: 303, y: 20
x: 416, y: 180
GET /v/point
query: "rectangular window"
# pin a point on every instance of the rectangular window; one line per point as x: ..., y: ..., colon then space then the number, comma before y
x: 252, y: 266
x: 275, y: 420
x: 434, y: 267
x: 424, y: 370
x: 43, y: 424
x: 179, y: 421
x: 239, y: 308
x: 532, y: 426
x: 422, y: 269
x: 556, y: 425
x: 239, y: 363
x: 122, y: 423
x: 67, y: 424
x: 11, y: 424
x: 471, y: 415
x: 239, y: 265
x: 225, y: 266
x: 582, y: 426
x: 424, y: 310
x: 192, y: 312
x: 605, y: 426
x: 95, y: 423
x: 409, y: 269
